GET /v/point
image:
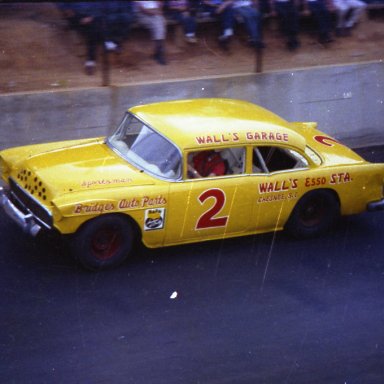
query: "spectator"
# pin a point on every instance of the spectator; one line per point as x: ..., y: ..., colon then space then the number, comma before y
x: 150, y: 15
x: 349, y: 13
x: 247, y: 11
x: 100, y: 22
x: 320, y: 9
x: 87, y: 18
x: 287, y: 12
x: 118, y: 18
x: 222, y: 10
x: 182, y: 13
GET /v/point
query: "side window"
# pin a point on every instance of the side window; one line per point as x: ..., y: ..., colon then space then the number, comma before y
x: 211, y: 163
x: 273, y: 159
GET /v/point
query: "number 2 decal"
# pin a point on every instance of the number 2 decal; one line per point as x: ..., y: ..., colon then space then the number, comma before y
x: 208, y: 219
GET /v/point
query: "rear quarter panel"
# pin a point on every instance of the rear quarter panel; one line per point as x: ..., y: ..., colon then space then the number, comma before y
x: 363, y: 184
x: 356, y: 185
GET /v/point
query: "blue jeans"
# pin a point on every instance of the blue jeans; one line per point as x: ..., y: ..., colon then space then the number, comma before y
x: 252, y: 20
x: 187, y: 21
x: 322, y: 16
x: 225, y: 17
x: 288, y: 20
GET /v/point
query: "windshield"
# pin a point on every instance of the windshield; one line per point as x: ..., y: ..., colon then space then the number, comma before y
x: 146, y: 148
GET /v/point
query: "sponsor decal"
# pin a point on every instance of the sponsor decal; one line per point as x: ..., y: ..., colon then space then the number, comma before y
x: 340, y: 178
x: 267, y: 136
x: 315, y: 181
x: 334, y: 178
x: 281, y: 190
x: 143, y: 202
x: 92, y: 183
x: 124, y: 204
x: 286, y: 189
x: 277, y: 197
x: 154, y: 219
x: 223, y: 138
x: 148, y: 201
x: 249, y: 136
x: 129, y: 203
x: 94, y: 208
x: 278, y: 186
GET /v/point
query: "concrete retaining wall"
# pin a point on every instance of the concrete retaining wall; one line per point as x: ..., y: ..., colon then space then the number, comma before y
x: 346, y: 101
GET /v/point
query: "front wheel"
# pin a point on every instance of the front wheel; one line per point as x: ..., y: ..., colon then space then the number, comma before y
x: 313, y: 214
x: 103, y: 242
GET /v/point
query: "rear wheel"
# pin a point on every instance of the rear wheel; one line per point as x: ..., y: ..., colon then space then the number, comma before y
x: 103, y: 242
x: 314, y: 214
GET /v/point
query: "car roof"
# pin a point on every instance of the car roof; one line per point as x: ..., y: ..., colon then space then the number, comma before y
x: 217, y: 122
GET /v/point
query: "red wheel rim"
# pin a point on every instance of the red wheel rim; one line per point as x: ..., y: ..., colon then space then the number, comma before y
x: 105, y: 243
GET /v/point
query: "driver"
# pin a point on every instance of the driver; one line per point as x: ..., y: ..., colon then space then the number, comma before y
x: 207, y: 164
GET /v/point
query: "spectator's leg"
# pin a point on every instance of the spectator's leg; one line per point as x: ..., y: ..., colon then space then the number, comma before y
x: 159, y: 35
x: 252, y: 21
x: 113, y: 33
x: 358, y: 8
x: 157, y: 27
x: 323, y: 20
x: 289, y: 25
x: 256, y: 21
x: 92, y: 33
x: 341, y: 11
x: 293, y: 26
x: 227, y: 22
x: 189, y: 25
x: 190, y: 29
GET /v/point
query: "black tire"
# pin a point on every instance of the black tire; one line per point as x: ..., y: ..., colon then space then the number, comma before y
x: 314, y: 214
x: 103, y: 242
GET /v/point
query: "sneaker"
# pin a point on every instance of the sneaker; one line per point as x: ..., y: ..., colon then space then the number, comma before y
x: 228, y: 33
x: 191, y: 39
x: 89, y: 67
x: 110, y: 45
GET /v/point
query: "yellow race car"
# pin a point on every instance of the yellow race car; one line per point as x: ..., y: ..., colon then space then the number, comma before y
x: 185, y: 171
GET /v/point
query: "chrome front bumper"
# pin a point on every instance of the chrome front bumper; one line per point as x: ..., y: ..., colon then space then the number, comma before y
x: 376, y: 206
x: 26, y: 221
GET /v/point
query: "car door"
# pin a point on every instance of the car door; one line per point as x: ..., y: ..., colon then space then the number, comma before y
x: 277, y: 175
x: 210, y: 207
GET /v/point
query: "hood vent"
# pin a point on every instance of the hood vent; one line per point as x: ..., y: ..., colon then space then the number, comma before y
x: 32, y: 184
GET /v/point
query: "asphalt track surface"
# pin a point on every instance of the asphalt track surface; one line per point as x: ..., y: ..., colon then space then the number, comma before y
x: 259, y: 309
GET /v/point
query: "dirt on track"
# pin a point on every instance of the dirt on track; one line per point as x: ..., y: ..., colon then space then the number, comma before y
x: 38, y: 52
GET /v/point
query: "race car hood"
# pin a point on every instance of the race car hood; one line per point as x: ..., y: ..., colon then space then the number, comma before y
x: 51, y: 170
